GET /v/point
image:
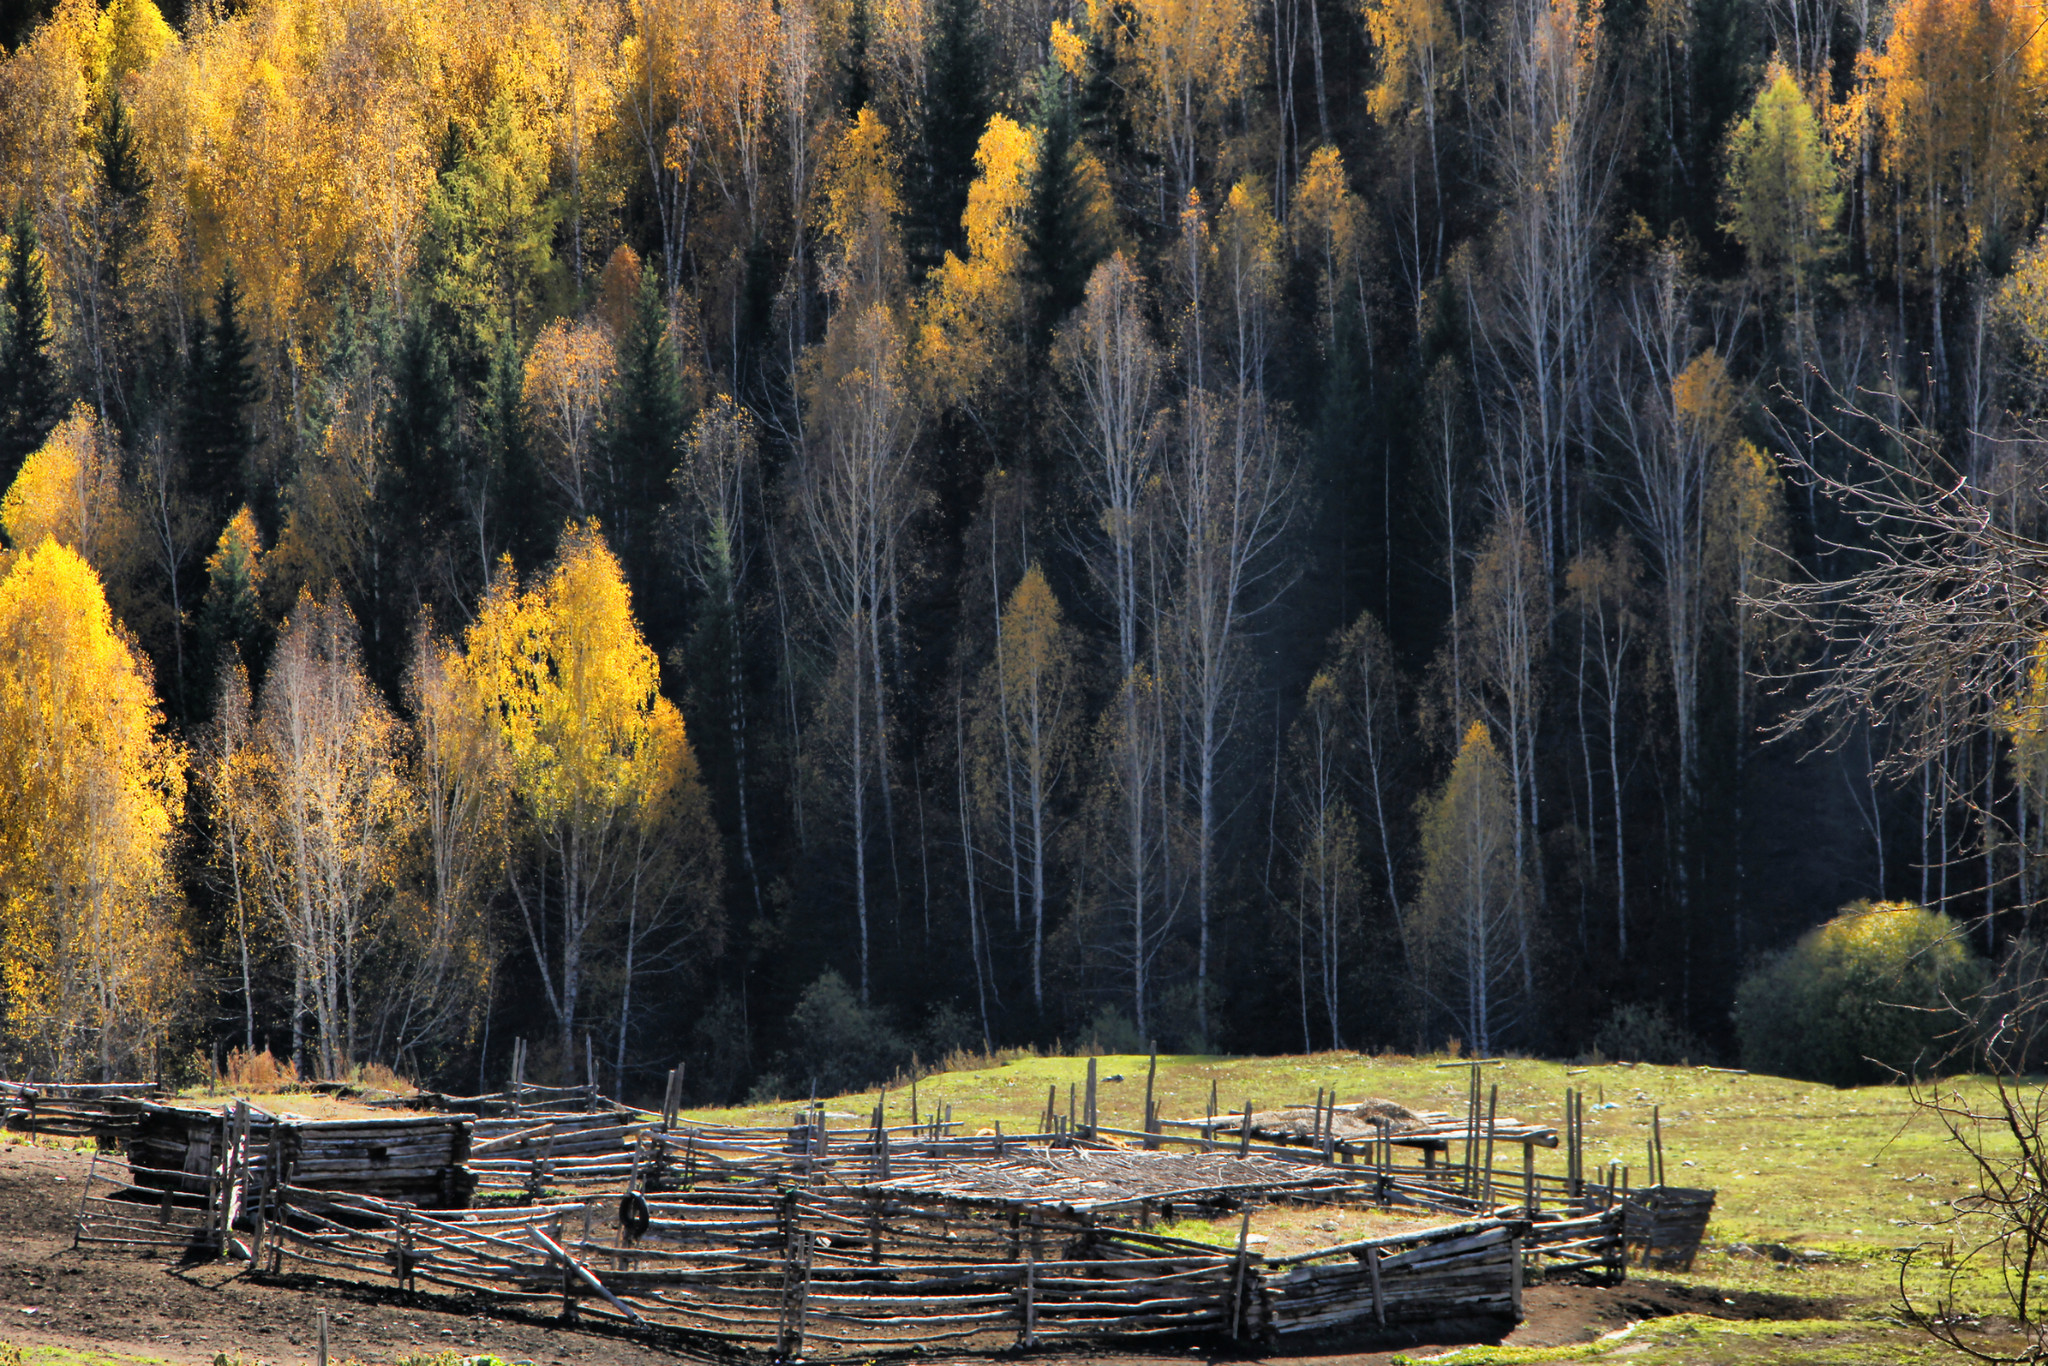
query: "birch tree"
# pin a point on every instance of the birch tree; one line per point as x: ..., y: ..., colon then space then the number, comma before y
x: 1325, y: 827
x: 1111, y: 368
x: 1024, y: 732
x: 716, y: 493
x: 1227, y: 491
x: 853, y: 498
x: 614, y: 858
x: 331, y: 816
x: 1674, y: 429
x: 1466, y: 911
x: 92, y: 959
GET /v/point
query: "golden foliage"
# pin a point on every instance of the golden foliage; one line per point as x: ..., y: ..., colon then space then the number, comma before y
x: 576, y: 692
x: 1195, y: 57
x: 1330, y: 225
x: 861, y: 205
x: 91, y: 789
x: 1957, y: 96
x: 568, y: 373
x: 974, y: 313
x: 69, y: 490
x: 1413, y: 40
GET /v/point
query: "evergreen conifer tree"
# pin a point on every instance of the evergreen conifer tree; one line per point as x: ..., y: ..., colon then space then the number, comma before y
x: 858, y: 87
x: 1063, y: 239
x: 512, y: 475
x: 30, y: 402
x: 956, y: 110
x: 645, y: 427
x: 421, y: 495
x: 219, y: 391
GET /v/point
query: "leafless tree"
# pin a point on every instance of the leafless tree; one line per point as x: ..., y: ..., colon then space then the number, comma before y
x: 716, y: 487
x: 853, y: 498
x: 1228, y: 493
x: 1554, y: 146
x: 1111, y: 366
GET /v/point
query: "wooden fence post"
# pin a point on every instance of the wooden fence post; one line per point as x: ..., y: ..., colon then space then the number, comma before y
x: 1090, y: 1098
x: 1379, y: 1303
x: 1028, y: 1314
x: 1492, y: 1104
x: 1151, y: 1074
x: 1244, y: 1230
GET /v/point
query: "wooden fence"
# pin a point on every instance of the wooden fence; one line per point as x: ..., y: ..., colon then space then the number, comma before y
x: 106, y: 1112
x: 850, y: 1271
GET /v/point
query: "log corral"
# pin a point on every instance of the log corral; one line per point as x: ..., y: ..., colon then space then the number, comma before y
x: 860, y: 1235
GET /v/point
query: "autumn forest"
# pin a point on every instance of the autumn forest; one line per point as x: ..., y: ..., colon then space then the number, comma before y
x: 785, y: 535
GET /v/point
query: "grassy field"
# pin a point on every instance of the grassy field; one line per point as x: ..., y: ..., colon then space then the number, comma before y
x: 1847, y: 1177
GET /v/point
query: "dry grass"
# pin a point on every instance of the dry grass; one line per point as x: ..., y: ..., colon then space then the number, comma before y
x: 258, y: 1072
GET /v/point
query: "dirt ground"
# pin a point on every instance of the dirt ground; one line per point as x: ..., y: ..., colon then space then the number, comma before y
x: 156, y: 1308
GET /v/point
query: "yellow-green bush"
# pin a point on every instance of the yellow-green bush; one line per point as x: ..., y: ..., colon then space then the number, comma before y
x: 1878, y: 990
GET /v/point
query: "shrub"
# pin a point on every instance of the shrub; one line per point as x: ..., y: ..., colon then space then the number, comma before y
x: 258, y: 1073
x: 1111, y: 1031
x: 1859, y: 999
x: 1639, y: 1033
x: 838, y: 1043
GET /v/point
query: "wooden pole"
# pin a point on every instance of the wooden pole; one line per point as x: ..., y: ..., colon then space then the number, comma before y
x: 321, y: 1318
x: 1529, y: 1195
x: 1492, y: 1108
x: 1657, y: 1137
x: 1209, y: 1124
x: 1244, y: 1133
x: 1091, y: 1098
x: 1244, y: 1230
x: 1030, y: 1315
x: 1151, y: 1074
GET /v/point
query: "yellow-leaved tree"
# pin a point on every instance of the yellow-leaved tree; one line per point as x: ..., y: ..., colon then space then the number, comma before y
x: 1195, y: 58
x: 1466, y: 916
x: 975, y: 312
x: 1957, y: 93
x: 1330, y: 227
x: 92, y: 968
x: 70, y: 491
x: 615, y: 859
x: 860, y: 216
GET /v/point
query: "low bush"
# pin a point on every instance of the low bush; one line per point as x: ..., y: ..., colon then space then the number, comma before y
x: 1639, y: 1033
x: 1865, y: 997
x: 261, y: 1073
x: 839, y: 1043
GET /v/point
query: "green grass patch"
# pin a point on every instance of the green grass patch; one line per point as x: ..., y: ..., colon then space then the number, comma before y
x: 1695, y: 1340
x: 1857, y: 1173
x: 38, y: 1355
